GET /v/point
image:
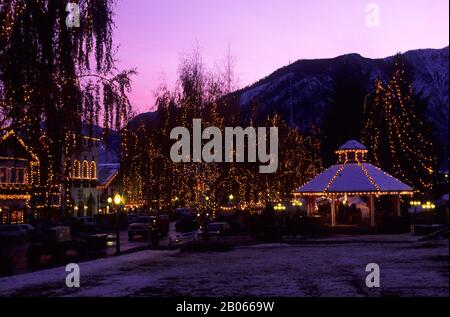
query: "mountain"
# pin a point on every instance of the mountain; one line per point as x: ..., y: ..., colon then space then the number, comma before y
x: 304, y: 91
x: 109, y: 152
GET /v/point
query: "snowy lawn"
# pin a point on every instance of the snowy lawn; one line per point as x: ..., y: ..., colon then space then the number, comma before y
x: 407, y: 269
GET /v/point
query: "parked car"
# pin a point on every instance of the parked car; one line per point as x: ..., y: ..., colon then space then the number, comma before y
x: 132, y: 217
x: 31, y: 231
x: 177, y: 238
x: 217, y: 229
x: 57, y: 243
x: 13, y: 232
x: 86, y: 224
x: 141, y: 226
x: 181, y: 212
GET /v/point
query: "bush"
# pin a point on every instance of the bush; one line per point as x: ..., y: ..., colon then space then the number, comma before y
x: 394, y: 225
x: 311, y: 226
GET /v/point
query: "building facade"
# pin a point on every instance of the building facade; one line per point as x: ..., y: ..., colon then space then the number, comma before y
x: 19, y: 179
x: 84, y: 190
x: 108, y: 186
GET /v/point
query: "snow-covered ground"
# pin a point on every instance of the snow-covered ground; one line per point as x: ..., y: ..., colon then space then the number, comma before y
x: 407, y: 269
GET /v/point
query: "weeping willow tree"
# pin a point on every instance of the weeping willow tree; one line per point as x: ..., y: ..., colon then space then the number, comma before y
x: 55, y: 79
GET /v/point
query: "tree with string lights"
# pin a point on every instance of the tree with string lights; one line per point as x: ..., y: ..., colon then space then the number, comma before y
x: 399, y: 139
x: 55, y: 78
x: 202, y: 95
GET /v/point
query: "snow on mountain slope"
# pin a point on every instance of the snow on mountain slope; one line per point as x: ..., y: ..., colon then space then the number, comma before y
x: 304, y: 89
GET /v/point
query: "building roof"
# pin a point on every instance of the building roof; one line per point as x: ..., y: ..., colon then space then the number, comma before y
x: 12, y: 146
x: 107, y: 173
x: 355, y: 177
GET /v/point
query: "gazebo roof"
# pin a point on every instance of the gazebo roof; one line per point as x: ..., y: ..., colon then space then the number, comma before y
x: 352, y: 145
x: 354, y: 177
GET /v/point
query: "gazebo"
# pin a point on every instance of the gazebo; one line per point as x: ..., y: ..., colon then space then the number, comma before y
x: 353, y: 176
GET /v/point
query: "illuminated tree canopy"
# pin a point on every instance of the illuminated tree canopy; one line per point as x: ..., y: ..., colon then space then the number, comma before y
x: 54, y: 78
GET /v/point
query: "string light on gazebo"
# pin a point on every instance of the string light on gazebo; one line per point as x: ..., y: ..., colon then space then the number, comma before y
x: 353, y: 176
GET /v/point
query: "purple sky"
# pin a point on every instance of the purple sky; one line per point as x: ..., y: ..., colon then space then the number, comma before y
x: 265, y: 34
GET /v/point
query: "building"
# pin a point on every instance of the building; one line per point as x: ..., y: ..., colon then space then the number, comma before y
x: 19, y: 179
x: 85, y: 195
x: 353, y: 181
x: 108, y: 185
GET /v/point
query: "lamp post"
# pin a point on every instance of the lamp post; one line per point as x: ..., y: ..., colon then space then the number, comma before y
x: 414, y: 203
x: 108, y: 207
x: 429, y: 206
x: 117, y: 202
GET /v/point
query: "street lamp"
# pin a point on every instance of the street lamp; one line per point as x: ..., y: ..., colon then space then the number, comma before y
x: 429, y: 206
x: 280, y: 207
x: 415, y: 204
x: 230, y: 197
x: 117, y: 201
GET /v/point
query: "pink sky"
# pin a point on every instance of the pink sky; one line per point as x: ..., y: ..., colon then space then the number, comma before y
x: 265, y: 35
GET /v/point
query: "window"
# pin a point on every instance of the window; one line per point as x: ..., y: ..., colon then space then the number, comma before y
x: 20, y: 176
x: 76, y: 169
x: 3, y: 178
x: 13, y: 175
x: 85, y: 169
x: 93, y: 170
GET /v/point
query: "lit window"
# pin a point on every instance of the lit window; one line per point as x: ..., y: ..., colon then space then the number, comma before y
x: 93, y: 170
x: 85, y: 169
x: 76, y: 169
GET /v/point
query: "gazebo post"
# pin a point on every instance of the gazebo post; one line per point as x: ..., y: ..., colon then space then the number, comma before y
x: 372, y: 210
x: 309, y: 205
x: 308, y: 208
x: 333, y: 211
x: 397, y: 212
